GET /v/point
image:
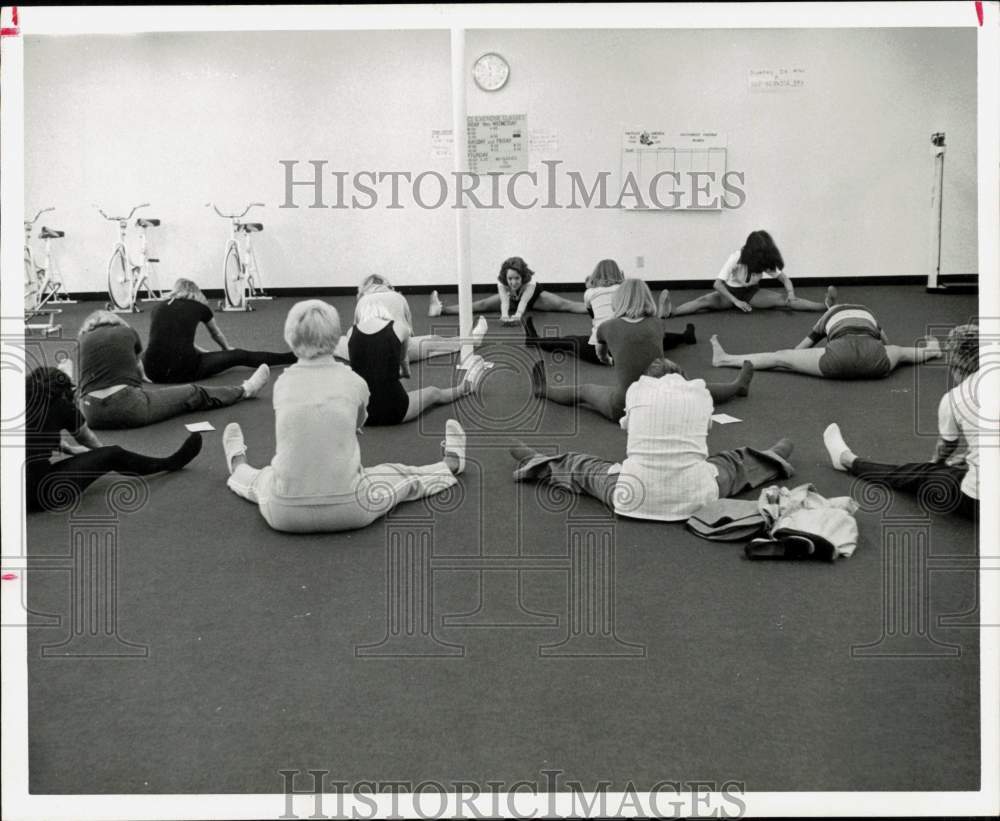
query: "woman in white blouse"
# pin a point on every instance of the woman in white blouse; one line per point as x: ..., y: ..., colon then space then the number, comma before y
x: 738, y: 283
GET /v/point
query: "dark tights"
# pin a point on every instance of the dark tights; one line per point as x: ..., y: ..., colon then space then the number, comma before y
x: 209, y: 364
x: 56, y: 486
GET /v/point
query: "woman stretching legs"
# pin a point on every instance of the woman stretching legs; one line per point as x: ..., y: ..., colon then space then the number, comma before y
x: 172, y: 356
x: 580, y: 345
x: 608, y: 401
x: 51, y: 410
x: 856, y: 348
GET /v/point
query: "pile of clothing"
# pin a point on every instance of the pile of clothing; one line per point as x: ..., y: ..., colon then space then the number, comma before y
x: 799, y: 523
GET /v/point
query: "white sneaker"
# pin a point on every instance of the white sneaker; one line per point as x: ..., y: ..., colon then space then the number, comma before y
x: 475, y: 370
x: 255, y: 384
x: 233, y: 444
x: 454, y: 443
x: 835, y: 445
x: 479, y: 331
x: 434, y: 308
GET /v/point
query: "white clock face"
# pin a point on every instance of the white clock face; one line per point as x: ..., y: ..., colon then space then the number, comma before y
x: 491, y: 72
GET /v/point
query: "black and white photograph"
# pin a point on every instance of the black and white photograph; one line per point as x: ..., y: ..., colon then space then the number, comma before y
x: 500, y: 411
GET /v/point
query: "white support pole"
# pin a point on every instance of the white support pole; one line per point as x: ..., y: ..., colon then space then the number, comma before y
x: 937, y: 202
x: 459, y: 129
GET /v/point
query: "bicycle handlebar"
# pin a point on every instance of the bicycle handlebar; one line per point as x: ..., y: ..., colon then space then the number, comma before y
x: 44, y: 210
x: 234, y: 216
x: 121, y: 219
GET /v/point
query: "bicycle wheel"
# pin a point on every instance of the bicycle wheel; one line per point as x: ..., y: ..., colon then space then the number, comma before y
x: 119, y: 280
x: 232, y: 271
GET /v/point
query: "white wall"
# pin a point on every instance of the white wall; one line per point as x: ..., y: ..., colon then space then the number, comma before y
x: 839, y: 172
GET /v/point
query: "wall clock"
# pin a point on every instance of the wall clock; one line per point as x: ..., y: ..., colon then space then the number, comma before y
x: 491, y: 72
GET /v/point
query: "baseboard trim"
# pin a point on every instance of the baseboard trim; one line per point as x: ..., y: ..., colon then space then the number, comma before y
x: 954, y: 283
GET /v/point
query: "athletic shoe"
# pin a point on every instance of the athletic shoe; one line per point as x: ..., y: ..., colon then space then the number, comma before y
x: 255, y: 384
x: 454, y: 443
x: 233, y: 444
x: 835, y: 445
x: 475, y: 370
x: 434, y: 308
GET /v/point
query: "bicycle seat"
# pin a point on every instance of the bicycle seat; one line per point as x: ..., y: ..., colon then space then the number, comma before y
x: 249, y: 227
x: 50, y: 233
x: 147, y: 223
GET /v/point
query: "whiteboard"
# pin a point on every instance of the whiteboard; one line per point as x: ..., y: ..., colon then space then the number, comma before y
x: 674, y: 156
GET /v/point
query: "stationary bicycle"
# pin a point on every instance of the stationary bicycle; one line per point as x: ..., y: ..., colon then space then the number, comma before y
x: 128, y: 276
x: 43, y: 284
x: 241, y: 277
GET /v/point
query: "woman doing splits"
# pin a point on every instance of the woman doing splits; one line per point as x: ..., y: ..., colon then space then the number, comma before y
x: 634, y: 338
x: 376, y: 351
x: 856, y: 348
x: 315, y: 481
x: 667, y: 474
x: 171, y: 355
x: 376, y: 296
x: 738, y: 283
x: 51, y: 409
x: 948, y: 482
x: 515, y: 286
x: 112, y: 392
x: 599, y: 296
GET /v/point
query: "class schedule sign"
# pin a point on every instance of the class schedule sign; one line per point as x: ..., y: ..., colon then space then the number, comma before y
x: 498, y: 143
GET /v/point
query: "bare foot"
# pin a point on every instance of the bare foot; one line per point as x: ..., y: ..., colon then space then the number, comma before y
x: 665, y: 307
x: 434, y: 307
x: 718, y: 354
x: 831, y: 297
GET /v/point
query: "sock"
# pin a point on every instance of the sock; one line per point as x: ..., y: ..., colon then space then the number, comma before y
x: 185, y: 453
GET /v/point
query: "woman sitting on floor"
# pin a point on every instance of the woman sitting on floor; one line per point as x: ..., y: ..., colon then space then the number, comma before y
x: 171, y: 355
x: 856, y: 348
x: 50, y: 409
x: 315, y: 481
x: 112, y: 390
x: 376, y: 295
x: 738, y: 283
x: 376, y: 351
x: 633, y: 337
x: 599, y: 296
x: 945, y: 483
x: 667, y: 474
x: 515, y: 286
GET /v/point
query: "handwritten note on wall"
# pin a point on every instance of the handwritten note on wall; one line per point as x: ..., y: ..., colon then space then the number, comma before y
x: 777, y: 79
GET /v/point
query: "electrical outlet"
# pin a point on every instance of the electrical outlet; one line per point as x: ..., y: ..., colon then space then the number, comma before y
x: 640, y: 262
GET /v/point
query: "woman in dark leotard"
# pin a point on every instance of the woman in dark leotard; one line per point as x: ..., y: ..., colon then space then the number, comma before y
x: 50, y: 409
x: 377, y: 347
x: 634, y: 338
x: 517, y: 289
x: 171, y: 355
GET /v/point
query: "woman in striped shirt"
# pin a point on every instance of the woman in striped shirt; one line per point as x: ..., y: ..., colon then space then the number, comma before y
x: 856, y: 348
